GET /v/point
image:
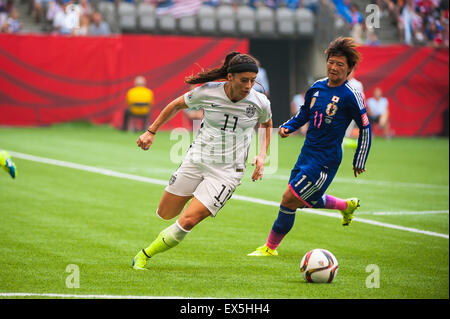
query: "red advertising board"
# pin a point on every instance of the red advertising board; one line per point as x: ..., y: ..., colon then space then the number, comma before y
x: 48, y: 79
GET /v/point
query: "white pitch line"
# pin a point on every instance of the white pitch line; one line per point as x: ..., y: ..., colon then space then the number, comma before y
x: 344, y: 180
x: 390, y: 184
x: 430, y: 212
x: 336, y: 215
x: 26, y: 294
x: 238, y: 197
x: 87, y: 168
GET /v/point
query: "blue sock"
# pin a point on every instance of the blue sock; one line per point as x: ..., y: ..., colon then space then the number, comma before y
x: 282, y: 225
x: 285, y: 220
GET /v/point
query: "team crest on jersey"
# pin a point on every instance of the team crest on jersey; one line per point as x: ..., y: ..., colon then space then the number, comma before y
x: 190, y: 95
x: 250, y: 111
x: 331, y: 109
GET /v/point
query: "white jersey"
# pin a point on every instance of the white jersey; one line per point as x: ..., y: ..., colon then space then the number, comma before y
x: 357, y: 85
x: 227, y: 127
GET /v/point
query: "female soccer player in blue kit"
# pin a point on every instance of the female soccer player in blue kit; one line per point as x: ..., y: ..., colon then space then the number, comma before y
x: 330, y: 105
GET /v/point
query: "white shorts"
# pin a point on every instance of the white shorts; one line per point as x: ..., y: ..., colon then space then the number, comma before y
x: 212, y: 185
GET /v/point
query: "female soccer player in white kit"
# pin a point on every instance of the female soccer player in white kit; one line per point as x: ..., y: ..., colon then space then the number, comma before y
x: 215, y: 162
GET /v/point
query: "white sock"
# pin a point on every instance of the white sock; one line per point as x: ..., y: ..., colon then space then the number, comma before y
x: 174, y: 234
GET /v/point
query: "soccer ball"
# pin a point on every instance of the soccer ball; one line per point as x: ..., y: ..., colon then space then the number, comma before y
x: 319, y: 265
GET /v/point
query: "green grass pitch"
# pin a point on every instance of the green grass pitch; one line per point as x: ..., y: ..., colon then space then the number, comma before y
x: 53, y: 216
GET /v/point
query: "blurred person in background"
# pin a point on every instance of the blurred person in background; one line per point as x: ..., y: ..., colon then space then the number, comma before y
x: 357, y: 23
x: 387, y: 8
x: 54, y: 7
x: 378, y: 111
x: 350, y: 139
x: 67, y: 20
x: 407, y: 22
x: 343, y: 9
x: 39, y: 9
x: 216, y: 161
x: 297, y: 102
x: 372, y: 38
x: 5, y: 9
x: 83, y: 28
x: 12, y: 23
x: 139, y: 102
x: 6, y: 6
x: 330, y: 105
x: 443, y: 19
x: 63, y: 22
x: 85, y: 7
x: 98, y: 26
x: 262, y: 81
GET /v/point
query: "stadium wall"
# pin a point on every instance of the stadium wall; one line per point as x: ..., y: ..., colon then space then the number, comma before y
x: 51, y: 79
x: 415, y: 81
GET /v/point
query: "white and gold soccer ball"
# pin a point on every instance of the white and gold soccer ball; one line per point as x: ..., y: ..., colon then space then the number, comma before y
x: 319, y: 265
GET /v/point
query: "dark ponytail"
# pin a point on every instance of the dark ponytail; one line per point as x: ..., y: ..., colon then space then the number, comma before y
x: 220, y: 73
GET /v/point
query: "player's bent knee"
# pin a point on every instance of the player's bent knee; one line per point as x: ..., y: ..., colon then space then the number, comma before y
x: 290, y: 201
x: 163, y: 214
x: 191, y: 219
x: 187, y: 222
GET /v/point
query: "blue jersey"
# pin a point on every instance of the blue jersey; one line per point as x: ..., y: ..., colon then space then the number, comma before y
x: 329, y: 111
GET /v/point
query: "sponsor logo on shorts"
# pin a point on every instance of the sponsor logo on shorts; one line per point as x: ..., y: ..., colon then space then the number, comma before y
x: 172, y: 179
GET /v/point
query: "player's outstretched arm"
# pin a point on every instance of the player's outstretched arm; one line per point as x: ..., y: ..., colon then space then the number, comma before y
x: 283, y: 132
x: 146, y: 139
x: 265, y: 132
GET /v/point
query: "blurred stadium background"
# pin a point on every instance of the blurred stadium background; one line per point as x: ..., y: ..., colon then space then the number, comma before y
x: 52, y: 73
x: 62, y: 100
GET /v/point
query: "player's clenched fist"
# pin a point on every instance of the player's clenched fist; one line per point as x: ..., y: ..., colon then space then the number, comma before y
x: 284, y: 132
x: 145, y: 140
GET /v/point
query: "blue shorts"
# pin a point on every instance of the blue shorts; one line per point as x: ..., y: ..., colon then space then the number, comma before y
x: 309, y: 183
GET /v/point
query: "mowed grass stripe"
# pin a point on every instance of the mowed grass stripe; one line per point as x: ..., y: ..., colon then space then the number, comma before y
x: 238, y: 197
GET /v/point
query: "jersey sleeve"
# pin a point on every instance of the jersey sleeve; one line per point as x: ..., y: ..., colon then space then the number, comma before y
x: 302, y: 116
x: 194, y: 98
x: 359, y: 114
